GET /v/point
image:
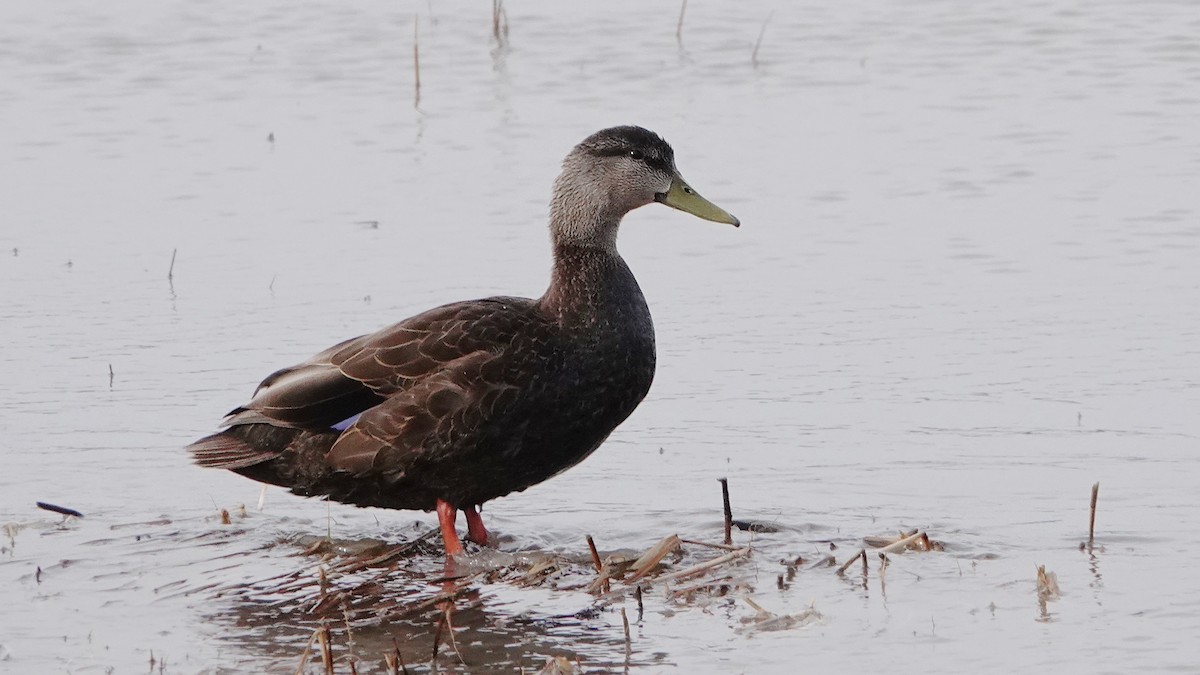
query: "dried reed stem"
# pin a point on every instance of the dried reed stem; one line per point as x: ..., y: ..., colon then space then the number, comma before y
x: 595, y: 554
x: 704, y: 566
x: 901, y: 544
x: 603, y: 585
x: 652, y: 556
x: 721, y: 547
x: 171, y: 269
x: 326, y: 641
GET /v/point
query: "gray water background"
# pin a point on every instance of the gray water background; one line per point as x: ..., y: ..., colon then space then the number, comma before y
x: 965, y: 289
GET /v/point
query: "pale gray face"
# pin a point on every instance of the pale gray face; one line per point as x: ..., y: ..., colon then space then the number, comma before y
x: 612, y: 172
x: 629, y: 181
x: 632, y: 165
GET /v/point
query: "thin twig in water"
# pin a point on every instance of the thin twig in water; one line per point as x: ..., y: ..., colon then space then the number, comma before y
x: 395, y: 662
x: 111, y: 375
x: 721, y: 547
x: 450, y: 632
x: 725, y: 500
x: 499, y: 22
x: 326, y: 648
x: 604, y: 586
x: 758, y: 42
x: 595, y: 554
x: 862, y: 553
x: 171, y: 269
x: 625, y: 621
x: 679, y: 26
x: 416, y: 63
x: 1092, y: 517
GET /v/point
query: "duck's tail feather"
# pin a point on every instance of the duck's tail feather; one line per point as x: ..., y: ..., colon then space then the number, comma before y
x: 224, y: 450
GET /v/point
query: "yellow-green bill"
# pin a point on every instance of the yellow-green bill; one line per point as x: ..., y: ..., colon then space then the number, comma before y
x: 681, y: 196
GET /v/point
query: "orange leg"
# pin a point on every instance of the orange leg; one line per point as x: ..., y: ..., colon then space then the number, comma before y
x: 446, y: 516
x: 476, y: 532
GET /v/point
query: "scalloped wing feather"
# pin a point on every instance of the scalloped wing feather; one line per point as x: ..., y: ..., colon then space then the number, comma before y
x: 402, y: 362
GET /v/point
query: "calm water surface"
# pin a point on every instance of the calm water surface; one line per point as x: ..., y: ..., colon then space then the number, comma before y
x: 966, y: 289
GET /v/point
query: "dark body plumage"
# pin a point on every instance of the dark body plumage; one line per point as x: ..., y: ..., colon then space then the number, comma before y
x: 474, y: 400
x: 466, y: 402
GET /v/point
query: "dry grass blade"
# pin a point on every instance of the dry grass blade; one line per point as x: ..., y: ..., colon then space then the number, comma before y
x: 307, y: 650
x: 901, y: 544
x: 705, y: 566
x: 683, y: 591
x: 722, y: 547
x: 539, y: 570
x: 881, y: 541
x: 862, y: 553
x: 653, y: 556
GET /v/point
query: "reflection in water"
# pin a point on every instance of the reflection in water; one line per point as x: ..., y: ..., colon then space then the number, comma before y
x: 378, y: 599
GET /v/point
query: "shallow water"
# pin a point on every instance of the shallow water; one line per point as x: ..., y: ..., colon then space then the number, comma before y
x: 964, y: 291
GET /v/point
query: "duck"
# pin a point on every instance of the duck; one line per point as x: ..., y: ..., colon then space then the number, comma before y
x: 471, y: 401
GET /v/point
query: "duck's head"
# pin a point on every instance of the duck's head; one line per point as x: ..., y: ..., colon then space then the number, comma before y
x: 612, y: 172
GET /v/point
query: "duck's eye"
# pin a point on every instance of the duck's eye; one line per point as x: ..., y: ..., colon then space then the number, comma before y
x: 636, y: 154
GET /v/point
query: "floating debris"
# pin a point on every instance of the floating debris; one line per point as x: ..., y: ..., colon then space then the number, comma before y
x: 559, y: 665
x: 912, y: 540
x: 1047, y: 584
x: 59, y: 509
x: 764, y: 620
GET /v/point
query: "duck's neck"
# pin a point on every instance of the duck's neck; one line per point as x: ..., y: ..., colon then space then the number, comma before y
x: 589, y: 282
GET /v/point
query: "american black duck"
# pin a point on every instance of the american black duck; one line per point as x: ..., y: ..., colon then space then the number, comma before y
x: 473, y: 400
